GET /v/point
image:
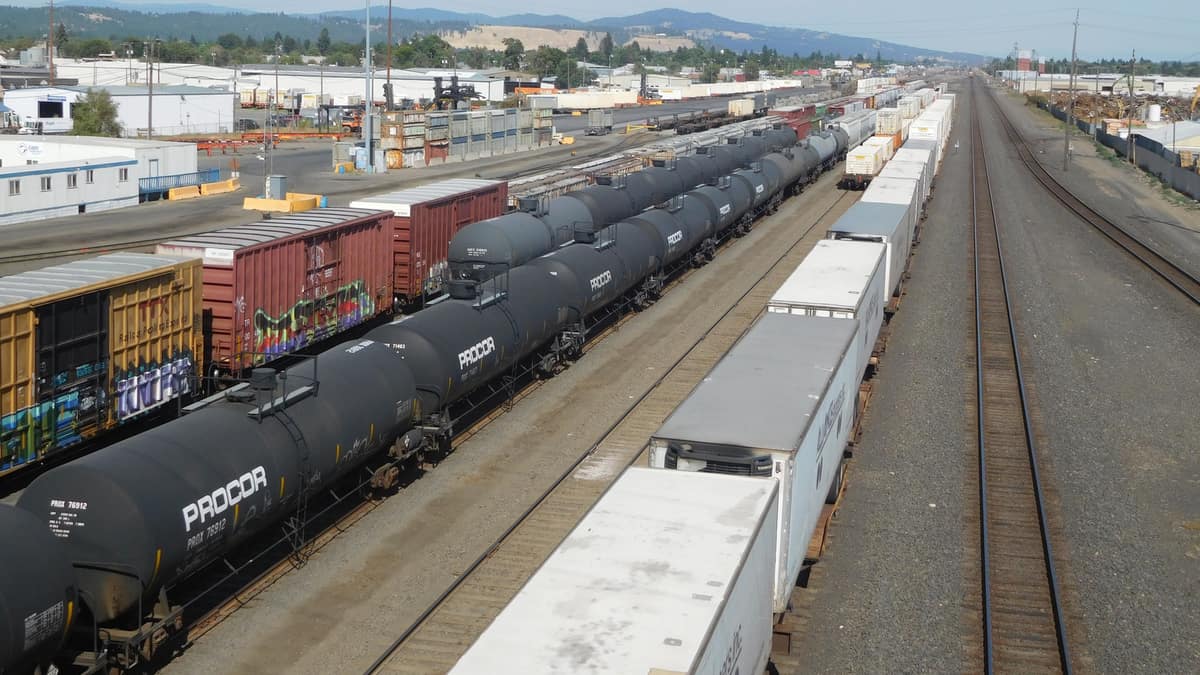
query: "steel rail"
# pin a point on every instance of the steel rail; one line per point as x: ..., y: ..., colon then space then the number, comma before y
x: 979, y: 175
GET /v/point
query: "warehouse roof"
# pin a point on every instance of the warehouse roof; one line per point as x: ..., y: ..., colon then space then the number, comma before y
x: 122, y: 90
x: 50, y: 281
x: 782, y: 358
x: 100, y: 141
x: 1179, y: 130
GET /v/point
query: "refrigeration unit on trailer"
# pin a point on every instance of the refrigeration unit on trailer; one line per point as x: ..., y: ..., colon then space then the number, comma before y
x: 670, y: 572
x: 883, y: 223
x: 780, y: 405
x: 842, y: 280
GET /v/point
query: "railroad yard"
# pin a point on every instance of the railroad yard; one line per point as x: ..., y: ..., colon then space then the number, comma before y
x: 1011, y: 476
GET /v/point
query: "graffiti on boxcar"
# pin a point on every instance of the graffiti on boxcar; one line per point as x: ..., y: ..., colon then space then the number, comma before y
x: 55, y: 423
x: 143, y: 386
x: 311, y: 320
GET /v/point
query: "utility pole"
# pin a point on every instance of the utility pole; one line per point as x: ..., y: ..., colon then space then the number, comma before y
x: 370, y: 100
x: 50, y: 44
x: 389, y: 45
x: 1071, y: 106
x: 273, y: 120
x: 1129, y: 124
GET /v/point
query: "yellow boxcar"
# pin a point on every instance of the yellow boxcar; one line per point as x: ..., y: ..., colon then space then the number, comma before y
x: 90, y: 344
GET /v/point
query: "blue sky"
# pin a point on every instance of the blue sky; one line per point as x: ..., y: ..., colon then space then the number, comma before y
x: 1166, y: 29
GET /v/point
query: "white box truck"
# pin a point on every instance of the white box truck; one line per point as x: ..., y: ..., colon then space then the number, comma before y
x: 668, y: 573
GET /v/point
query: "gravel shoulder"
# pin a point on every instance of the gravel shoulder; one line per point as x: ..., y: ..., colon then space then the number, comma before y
x: 338, y: 612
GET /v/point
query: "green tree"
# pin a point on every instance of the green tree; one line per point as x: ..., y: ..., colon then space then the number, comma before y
x: 711, y: 72
x: 323, y: 42
x: 606, y: 45
x: 581, y: 49
x: 229, y: 41
x: 60, y: 35
x: 514, y: 50
x: 750, y: 70
x: 95, y: 114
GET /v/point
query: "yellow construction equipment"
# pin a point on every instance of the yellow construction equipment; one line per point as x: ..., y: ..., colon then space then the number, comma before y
x: 1195, y: 100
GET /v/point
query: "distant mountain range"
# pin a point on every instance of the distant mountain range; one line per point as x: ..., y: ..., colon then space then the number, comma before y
x: 106, y: 18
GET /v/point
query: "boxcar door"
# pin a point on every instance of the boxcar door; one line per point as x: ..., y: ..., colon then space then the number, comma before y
x: 72, y: 371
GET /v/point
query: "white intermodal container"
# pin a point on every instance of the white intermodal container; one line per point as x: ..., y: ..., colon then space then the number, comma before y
x: 910, y: 106
x: 926, y: 127
x: 670, y: 572
x: 865, y: 160
x: 886, y: 145
x: 923, y: 156
x: 741, y: 107
x: 901, y: 191
x: 778, y: 407
x: 841, y: 280
x: 882, y: 223
x: 914, y: 171
x: 888, y: 121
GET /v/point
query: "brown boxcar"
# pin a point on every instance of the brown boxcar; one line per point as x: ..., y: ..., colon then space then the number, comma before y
x: 426, y: 219
x: 279, y: 285
x: 90, y: 344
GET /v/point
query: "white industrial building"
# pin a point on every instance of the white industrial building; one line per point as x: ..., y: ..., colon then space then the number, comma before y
x: 51, y: 176
x: 347, y: 85
x: 175, y: 109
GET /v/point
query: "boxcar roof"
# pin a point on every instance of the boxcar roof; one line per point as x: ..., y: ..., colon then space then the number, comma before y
x: 251, y: 234
x: 49, y: 281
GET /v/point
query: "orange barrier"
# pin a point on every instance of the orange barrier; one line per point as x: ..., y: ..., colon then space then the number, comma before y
x: 189, y: 192
x: 220, y: 187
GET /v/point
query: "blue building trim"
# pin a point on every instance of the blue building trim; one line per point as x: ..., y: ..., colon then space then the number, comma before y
x: 32, y: 171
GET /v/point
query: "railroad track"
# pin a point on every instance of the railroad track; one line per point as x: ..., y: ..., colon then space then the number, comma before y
x: 447, y: 628
x: 1023, y: 625
x: 1181, y: 279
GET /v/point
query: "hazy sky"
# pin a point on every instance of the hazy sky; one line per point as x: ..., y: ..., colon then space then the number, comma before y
x: 1167, y: 29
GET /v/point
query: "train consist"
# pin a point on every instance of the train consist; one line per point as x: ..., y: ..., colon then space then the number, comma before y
x: 136, y: 517
x: 780, y: 408
x: 92, y: 340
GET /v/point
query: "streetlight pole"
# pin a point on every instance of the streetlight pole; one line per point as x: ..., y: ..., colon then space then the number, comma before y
x: 150, y: 91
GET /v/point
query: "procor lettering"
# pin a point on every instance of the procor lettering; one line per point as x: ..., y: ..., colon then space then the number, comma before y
x: 675, y: 238
x: 475, y: 353
x: 600, y: 280
x: 212, y: 505
x: 725, y: 209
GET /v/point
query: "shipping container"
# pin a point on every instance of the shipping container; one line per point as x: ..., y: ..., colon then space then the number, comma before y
x: 599, y: 604
x: 883, y: 223
x: 840, y: 280
x: 89, y: 344
x: 901, y: 191
x: 426, y: 219
x: 909, y: 106
x: 599, y: 122
x: 886, y: 145
x: 863, y: 162
x: 779, y: 405
x: 741, y: 107
x: 911, y: 170
x: 888, y: 121
x: 277, y: 286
